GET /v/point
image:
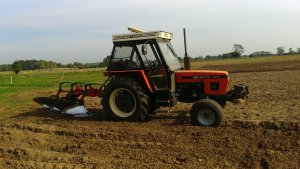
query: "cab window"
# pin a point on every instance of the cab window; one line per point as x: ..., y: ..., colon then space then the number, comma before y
x: 151, y: 58
x: 124, y: 58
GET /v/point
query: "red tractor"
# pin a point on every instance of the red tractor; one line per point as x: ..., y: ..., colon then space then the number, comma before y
x: 144, y: 74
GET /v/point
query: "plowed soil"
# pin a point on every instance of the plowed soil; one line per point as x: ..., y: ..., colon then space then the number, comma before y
x: 264, y: 133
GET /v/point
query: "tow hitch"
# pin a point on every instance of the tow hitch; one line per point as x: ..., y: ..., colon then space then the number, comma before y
x: 239, y: 94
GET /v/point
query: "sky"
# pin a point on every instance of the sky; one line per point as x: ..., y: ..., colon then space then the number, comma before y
x: 68, y: 31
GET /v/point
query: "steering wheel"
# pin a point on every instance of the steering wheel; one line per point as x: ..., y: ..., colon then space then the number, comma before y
x: 151, y: 64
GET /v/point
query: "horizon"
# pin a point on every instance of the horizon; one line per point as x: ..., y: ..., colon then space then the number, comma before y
x: 77, y: 31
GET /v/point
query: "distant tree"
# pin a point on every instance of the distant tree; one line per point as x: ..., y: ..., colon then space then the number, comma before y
x: 105, y: 61
x: 229, y: 55
x: 78, y: 65
x: 37, y: 65
x: 5, y: 67
x: 17, y: 66
x: 280, y: 50
x: 59, y: 65
x: 196, y: 58
x: 238, y: 50
x: 180, y: 59
x: 298, y: 50
x: 30, y: 64
x: 260, y: 53
x: 70, y: 65
x: 91, y: 65
x: 235, y: 54
x: 42, y: 64
x: 291, y: 51
x: 51, y: 65
x: 207, y: 57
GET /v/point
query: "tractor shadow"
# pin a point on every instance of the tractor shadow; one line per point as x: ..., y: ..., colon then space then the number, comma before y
x: 175, y: 117
x: 96, y: 114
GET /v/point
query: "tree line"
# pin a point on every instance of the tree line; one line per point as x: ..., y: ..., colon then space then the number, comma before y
x: 20, y: 65
x: 237, y: 52
x: 239, y: 49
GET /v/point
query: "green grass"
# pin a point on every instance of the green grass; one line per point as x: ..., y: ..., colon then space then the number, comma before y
x: 28, y: 80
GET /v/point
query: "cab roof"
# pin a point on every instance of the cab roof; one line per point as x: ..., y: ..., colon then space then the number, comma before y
x: 142, y: 36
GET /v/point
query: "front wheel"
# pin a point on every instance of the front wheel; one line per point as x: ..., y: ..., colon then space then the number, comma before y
x: 206, y: 112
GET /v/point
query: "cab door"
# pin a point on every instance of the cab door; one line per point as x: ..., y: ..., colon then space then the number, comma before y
x: 154, y: 66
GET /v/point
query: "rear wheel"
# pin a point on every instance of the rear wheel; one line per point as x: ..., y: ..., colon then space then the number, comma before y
x: 122, y: 102
x: 206, y: 112
x: 125, y: 100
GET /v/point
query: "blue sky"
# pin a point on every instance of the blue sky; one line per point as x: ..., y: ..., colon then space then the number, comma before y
x: 80, y: 30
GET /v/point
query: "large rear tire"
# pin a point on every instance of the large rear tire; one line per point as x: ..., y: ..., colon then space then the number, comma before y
x: 206, y: 112
x: 125, y: 100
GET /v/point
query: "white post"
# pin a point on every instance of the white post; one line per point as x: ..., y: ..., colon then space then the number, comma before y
x: 11, y: 80
x: 62, y: 76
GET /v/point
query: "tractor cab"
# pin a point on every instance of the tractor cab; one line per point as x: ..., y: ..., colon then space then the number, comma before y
x: 151, y: 55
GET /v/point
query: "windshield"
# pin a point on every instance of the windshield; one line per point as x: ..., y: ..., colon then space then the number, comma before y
x: 169, y: 55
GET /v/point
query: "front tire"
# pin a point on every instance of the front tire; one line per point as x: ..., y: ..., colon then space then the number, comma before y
x: 125, y: 100
x: 206, y: 112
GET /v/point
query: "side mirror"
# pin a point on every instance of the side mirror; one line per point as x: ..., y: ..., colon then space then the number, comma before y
x: 144, y: 49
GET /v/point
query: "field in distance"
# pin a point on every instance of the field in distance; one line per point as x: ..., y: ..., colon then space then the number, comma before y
x: 17, y: 97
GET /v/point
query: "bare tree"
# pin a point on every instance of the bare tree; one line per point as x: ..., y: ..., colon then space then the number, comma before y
x: 239, y: 49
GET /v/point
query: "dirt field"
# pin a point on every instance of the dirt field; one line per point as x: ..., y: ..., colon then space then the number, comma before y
x: 265, y: 133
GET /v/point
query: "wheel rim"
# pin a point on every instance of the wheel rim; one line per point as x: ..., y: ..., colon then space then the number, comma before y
x: 206, y: 117
x: 122, y: 102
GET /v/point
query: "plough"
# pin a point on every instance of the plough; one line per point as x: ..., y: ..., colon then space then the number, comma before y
x: 68, y: 97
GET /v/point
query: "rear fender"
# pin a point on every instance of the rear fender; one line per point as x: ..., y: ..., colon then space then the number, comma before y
x: 140, y: 75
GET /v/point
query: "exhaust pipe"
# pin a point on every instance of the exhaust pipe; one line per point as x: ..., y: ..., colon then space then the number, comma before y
x: 186, y: 59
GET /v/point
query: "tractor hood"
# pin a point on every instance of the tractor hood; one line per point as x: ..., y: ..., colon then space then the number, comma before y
x: 214, y: 82
x: 196, y: 75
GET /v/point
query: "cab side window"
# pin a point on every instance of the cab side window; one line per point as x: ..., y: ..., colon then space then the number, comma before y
x: 124, y: 58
